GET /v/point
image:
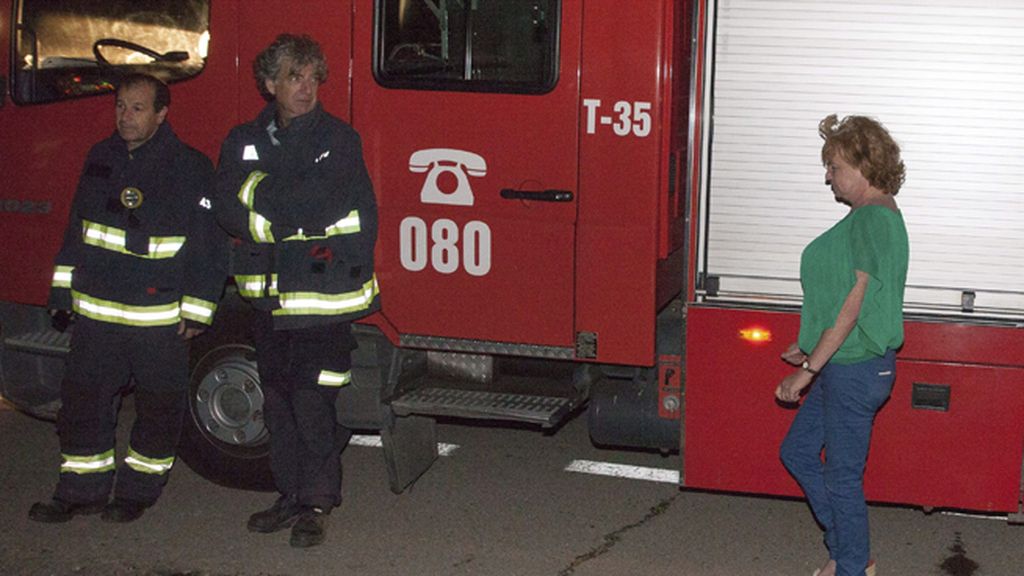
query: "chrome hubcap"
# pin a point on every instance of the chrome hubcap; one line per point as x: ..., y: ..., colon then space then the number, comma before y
x: 229, y: 402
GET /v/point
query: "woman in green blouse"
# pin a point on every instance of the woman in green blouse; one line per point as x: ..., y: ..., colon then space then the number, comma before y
x: 851, y: 324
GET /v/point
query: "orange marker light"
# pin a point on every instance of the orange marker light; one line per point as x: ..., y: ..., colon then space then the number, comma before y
x: 756, y: 335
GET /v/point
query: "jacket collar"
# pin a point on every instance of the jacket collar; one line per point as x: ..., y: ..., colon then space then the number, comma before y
x: 152, y: 147
x: 298, y: 125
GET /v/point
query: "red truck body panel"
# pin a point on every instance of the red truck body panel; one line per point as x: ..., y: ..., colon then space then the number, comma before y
x: 966, y: 457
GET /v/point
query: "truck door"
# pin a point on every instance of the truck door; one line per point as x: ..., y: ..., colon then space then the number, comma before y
x: 57, y: 55
x: 468, y: 112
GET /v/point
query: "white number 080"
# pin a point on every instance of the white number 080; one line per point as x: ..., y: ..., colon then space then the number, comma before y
x: 444, y: 252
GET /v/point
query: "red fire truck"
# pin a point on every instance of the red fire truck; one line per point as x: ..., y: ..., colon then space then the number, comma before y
x: 593, y: 204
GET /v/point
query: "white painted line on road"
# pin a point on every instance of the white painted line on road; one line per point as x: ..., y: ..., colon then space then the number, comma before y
x: 374, y: 441
x: 624, y: 471
x: 367, y: 441
x: 581, y: 466
x: 1003, y: 518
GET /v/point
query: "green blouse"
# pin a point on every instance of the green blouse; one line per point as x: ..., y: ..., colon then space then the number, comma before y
x: 872, y: 239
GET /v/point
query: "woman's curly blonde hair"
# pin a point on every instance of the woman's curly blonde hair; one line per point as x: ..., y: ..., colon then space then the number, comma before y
x: 867, y: 146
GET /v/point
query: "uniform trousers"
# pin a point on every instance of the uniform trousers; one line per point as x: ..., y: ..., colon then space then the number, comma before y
x: 104, y: 359
x: 837, y: 416
x: 306, y: 439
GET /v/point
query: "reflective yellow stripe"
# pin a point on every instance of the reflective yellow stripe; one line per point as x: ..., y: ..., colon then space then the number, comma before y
x: 197, y: 309
x: 250, y: 286
x: 247, y: 194
x: 255, y: 285
x: 102, y: 236
x: 165, y: 246
x: 62, y: 276
x: 347, y: 225
x: 95, y: 464
x: 317, y: 303
x: 329, y: 378
x: 118, y: 313
x: 145, y: 465
x: 113, y: 239
x: 259, y: 229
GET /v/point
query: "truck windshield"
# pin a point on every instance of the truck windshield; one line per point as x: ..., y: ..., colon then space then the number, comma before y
x: 474, y: 45
x: 73, y: 48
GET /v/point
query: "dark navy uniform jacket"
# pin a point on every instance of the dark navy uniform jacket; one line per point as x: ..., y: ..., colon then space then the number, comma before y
x: 300, y: 204
x: 142, y: 245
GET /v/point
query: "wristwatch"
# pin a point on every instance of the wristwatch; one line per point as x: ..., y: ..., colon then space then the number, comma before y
x: 807, y: 367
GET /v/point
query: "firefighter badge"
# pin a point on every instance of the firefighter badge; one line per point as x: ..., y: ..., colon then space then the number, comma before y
x: 131, y: 198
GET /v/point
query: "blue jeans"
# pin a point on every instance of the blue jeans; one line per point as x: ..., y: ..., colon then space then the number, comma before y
x: 837, y: 415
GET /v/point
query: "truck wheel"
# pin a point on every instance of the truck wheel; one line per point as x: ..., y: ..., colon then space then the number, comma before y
x: 225, y: 439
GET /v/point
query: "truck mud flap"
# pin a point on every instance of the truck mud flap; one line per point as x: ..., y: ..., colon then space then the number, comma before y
x: 410, y: 448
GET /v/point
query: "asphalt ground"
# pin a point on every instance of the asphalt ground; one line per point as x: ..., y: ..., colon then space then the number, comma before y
x: 503, y: 501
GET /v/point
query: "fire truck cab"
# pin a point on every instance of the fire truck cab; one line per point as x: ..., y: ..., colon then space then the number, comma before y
x: 531, y: 207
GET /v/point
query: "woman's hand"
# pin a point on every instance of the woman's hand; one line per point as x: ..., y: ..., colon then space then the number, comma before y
x: 794, y: 355
x: 789, y: 389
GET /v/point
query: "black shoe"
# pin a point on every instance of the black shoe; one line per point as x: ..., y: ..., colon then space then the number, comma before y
x: 281, y: 515
x: 121, y: 511
x: 310, y: 528
x: 56, y: 511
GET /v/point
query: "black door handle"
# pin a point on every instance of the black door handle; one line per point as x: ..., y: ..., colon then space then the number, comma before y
x: 540, y: 195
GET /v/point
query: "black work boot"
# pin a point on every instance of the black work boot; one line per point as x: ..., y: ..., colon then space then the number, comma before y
x: 121, y: 511
x: 55, y: 510
x: 281, y: 515
x: 310, y: 528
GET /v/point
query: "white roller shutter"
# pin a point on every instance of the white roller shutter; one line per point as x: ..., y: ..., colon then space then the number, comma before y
x: 946, y: 77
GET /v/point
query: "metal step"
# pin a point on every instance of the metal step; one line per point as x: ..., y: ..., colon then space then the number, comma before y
x: 45, y: 342
x: 546, y: 411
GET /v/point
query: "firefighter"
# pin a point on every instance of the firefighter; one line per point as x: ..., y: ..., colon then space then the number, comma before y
x: 141, y: 268
x: 293, y: 189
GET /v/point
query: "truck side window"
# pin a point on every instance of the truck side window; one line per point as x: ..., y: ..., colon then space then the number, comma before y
x: 470, y: 45
x: 73, y: 48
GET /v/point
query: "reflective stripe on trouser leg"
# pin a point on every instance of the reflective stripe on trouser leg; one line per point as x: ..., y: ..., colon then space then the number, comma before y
x: 93, y: 464
x: 146, y: 465
x: 306, y: 441
x: 159, y: 360
x: 96, y: 371
x: 332, y: 378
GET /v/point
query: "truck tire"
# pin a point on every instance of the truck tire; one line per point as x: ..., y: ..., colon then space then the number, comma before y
x: 224, y: 438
